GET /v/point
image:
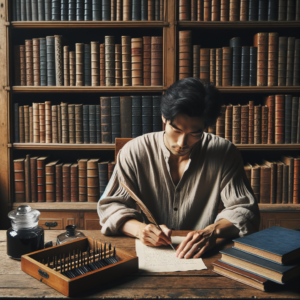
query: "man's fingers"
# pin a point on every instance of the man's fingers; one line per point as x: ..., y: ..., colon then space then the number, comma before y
x: 167, y: 232
x: 153, y: 238
x: 201, y: 251
x: 187, y: 243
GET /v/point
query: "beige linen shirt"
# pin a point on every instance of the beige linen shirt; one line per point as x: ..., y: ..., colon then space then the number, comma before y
x: 214, y: 171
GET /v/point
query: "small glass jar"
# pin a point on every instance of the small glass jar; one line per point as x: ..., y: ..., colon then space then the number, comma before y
x: 25, y: 235
x: 71, y: 234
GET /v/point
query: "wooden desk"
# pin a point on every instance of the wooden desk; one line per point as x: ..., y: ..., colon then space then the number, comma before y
x: 203, y: 284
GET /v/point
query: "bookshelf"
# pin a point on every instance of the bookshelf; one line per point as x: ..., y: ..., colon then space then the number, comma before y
x: 84, y: 214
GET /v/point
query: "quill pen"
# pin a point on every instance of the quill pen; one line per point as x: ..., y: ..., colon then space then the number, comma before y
x: 143, y: 207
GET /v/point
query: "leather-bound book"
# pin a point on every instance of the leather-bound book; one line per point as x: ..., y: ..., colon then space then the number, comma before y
x: 244, y: 123
x: 146, y: 60
x: 64, y: 10
x: 109, y: 60
x: 261, y: 42
x: 147, y: 113
x: 115, y: 118
x: 17, y: 66
x: 244, y: 10
x: 48, y: 10
x: 72, y: 10
x: 92, y: 180
x: 54, y: 124
x: 156, y: 60
x: 245, y: 66
x: 234, y: 10
x: 285, y: 184
x: 297, y: 17
x: 23, y: 10
x: 126, y: 60
x: 273, y: 186
x: 105, y: 103
x: 270, y: 102
x: 228, y: 123
x: 224, y: 10
x: 74, y: 182
x: 111, y: 167
x: 50, y: 181
x: 27, y: 179
x: 28, y: 10
x: 289, y: 161
x: 161, y: 10
x: 265, y: 183
x: 103, y: 176
x: 85, y: 124
x: 78, y: 124
x: 48, y: 121
x: 199, y: 10
x: 279, y: 182
x: 50, y: 48
x: 88, y: 10
x: 151, y: 10
x: 56, y: 10
x: 257, y: 124
x: 220, y: 127
x: 42, y: 123
x: 205, y: 64
x: 34, y: 10
x: 236, y: 62
x: 253, y: 67
x: 66, y: 184
x: 247, y: 168
x: 96, y: 10
x: 282, y: 60
x: 21, y: 124
x: 19, y: 180
x: 33, y: 179
x: 43, y: 62
x: 219, y: 63
x: 227, y: 66
x: 290, y: 61
x: 144, y: 10
x: 18, y: 10
x: 212, y: 70
x: 279, y: 119
x: 58, y: 183
x: 82, y: 180
x: 30, y: 125
x: 215, y: 10
x: 26, y: 123
x: 126, y: 122
x: 193, y: 10
x: 156, y: 117
x: 282, y: 10
x: 264, y: 124
x: 255, y: 181
x: 185, y: 53
x: 137, y: 61
x: 290, y: 119
x: 290, y: 10
x: 137, y: 128
x: 87, y: 65
x: 64, y: 123
x: 59, y: 127
x: 298, y: 126
x: 196, y: 61
x: 157, y: 10
x: 118, y: 65
x: 29, y: 62
x: 126, y: 10
x: 79, y: 51
x: 98, y: 124
x: 41, y: 188
x: 16, y: 123
x: 102, y: 64
x: 206, y: 10
x: 236, y: 124
x: 263, y: 10
x: 58, y: 60
x: 119, y: 8
x: 92, y: 124
x: 296, y: 193
x: 273, y: 59
x: 72, y: 62
x: 66, y: 66
x: 36, y: 122
x: 36, y: 62
x: 95, y: 63
x: 296, y: 75
x: 272, y: 10
x: 80, y: 10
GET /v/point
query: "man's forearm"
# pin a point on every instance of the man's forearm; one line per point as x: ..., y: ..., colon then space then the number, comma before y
x: 223, y: 229
x: 132, y: 228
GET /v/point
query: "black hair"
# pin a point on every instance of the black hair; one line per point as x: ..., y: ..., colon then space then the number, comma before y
x: 193, y: 97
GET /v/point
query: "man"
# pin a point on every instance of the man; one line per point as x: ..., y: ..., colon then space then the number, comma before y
x: 181, y: 174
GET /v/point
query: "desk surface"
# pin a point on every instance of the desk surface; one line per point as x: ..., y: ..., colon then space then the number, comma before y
x: 203, y: 284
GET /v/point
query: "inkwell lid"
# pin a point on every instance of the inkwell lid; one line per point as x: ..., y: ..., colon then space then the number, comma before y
x: 24, y: 217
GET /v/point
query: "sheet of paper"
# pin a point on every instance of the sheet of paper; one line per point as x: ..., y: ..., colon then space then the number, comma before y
x: 163, y: 259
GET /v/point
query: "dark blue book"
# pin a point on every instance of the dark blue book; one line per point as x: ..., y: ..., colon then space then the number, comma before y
x: 245, y: 66
x: 288, y: 116
x: 72, y: 10
x: 88, y: 10
x: 14, y: 10
x: 277, y: 244
x: 16, y: 113
x: 92, y: 124
x: 103, y: 176
x: 18, y: 10
x: 56, y: 10
x: 50, y: 61
x: 136, y: 10
x: 43, y: 62
x: 253, y: 10
x: 253, y: 67
x: 23, y: 10
x: 98, y: 124
x: 263, y: 10
x: 147, y: 114
x: 41, y: 10
x: 115, y: 118
x: 48, y: 10
x: 64, y: 5
x: 79, y: 10
x: 85, y: 124
x: 106, y: 13
x: 260, y: 266
x: 96, y: 10
x: 34, y: 9
x: 157, y: 121
x: 273, y: 10
x: 144, y: 10
x: 137, y: 128
x: 28, y: 10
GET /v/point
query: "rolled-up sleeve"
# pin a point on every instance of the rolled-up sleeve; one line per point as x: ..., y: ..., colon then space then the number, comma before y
x: 116, y: 206
x: 241, y: 208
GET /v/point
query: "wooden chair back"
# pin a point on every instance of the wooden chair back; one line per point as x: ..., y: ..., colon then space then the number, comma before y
x: 120, y: 142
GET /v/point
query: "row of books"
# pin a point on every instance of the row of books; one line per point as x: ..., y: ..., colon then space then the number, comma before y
x: 275, y: 182
x: 87, y: 10
x: 263, y: 259
x: 272, y: 61
x: 239, y: 10
x: 40, y: 179
x: 46, y: 62
x: 125, y: 117
x: 275, y: 122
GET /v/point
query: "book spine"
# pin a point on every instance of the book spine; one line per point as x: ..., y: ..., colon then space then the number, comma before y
x: 64, y: 10
x: 212, y: 70
x: 79, y: 10
x: 206, y: 10
x: 42, y: 122
x: 126, y: 60
x: 58, y: 60
x: 72, y: 10
x: 87, y: 65
x: 50, y: 48
x: 102, y: 64
x: 118, y: 65
x: 151, y: 10
x: 48, y: 121
x: 271, y: 119
x: 56, y: 10
x: 18, y: 10
x: 265, y: 184
x: 224, y: 11
x: 298, y: 127
x: 30, y: 125
x: 236, y: 66
x: 144, y: 10
x: 261, y: 41
x: 66, y: 191
x: 78, y: 124
x: 219, y: 64
x: 66, y: 66
x: 109, y: 60
x: 156, y: 120
x: 59, y: 126
x: 36, y: 62
x: 82, y: 180
x: 227, y: 66
x: 21, y: 124
x: 137, y: 128
x: 282, y: 60
x: 255, y: 182
x: 33, y: 179
x: 156, y: 10
x: 244, y: 10
x: 264, y: 124
x: 236, y: 124
x: 54, y: 124
x: 92, y: 181
x: 17, y: 65
x: 50, y: 182
x: 220, y: 127
x: 215, y: 10
x: 125, y: 113
x: 146, y: 60
x: 14, y: 12
x: 263, y: 10
x: 48, y: 10
x: 41, y: 180
x: 23, y: 10
x: 71, y: 121
x: 119, y: 11
x: 88, y: 10
x: 185, y: 54
x: 282, y: 10
x: 34, y: 9
x: 64, y: 123
x: 36, y: 123
x: 156, y: 60
x: 257, y: 124
x: 279, y: 183
x: 92, y: 124
x: 279, y: 119
x: 193, y: 10
x: 228, y: 123
x: 106, y: 10
x: 29, y: 62
x: 96, y: 12
x: 105, y: 103
x: 234, y: 10
x: 43, y: 62
x: 58, y: 183
x: 79, y: 52
x: 273, y: 10
x: 27, y: 179
x: 137, y: 61
x: 85, y: 124
x: 28, y: 10
x: 290, y: 61
x: 290, y: 10
x: 244, y: 123
x: 72, y: 68
x: 16, y: 123
x: 98, y: 124
x: 196, y: 61
x: 26, y: 123
x: 296, y: 191
x: 297, y: 16
x: 19, y: 180
x: 290, y: 119
x: 136, y: 10
x: 147, y: 114
x: 245, y: 66
x: 74, y: 182
x: 95, y: 63
x: 103, y: 177
x: 296, y: 75
x: 273, y: 59
x: 115, y: 118
x: 285, y: 184
x: 253, y: 66
x: 205, y: 64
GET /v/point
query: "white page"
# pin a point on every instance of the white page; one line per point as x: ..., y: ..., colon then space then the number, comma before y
x: 163, y: 259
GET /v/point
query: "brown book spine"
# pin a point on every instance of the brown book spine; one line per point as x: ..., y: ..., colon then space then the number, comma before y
x: 17, y: 66
x: 92, y: 180
x: 193, y: 10
x: 58, y: 183
x: 184, y: 10
x: 151, y: 10
x: 64, y: 123
x: 41, y: 180
x: 66, y: 188
x: 261, y: 42
x: 27, y: 179
x: 224, y: 11
x: 48, y: 121
x: 196, y: 61
x: 273, y: 59
x: 205, y: 64
x: 282, y: 60
x: 289, y: 161
x: 212, y: 71
x: 290, y: 11
x: 29, y: 62
x: 255, y: 182
x: 113, y: 10
x: 215, y: 10
x: 72, y: 68
x: 161, y: 10
x: 244, y: 124
x: 296, y: 75
x: 199, y: 10
x: 227, y: 66
x: 118, y: 65
x: 79, y: 52
x: 33, y: 179
x: 26, y: 123
x: 66, y: 66
x: 42, y: 122
x: 79, y: 123
x: 207, y: 10
x: 257, y: 124
x: 296, y: 194
x: 125, y: 116
x: 54, y: 124
x: 105, y: 103
x: 50, y: 182
x: 251, y: 123
x: 74, y: 183
x: 95, y: 63
x: 219, y: 63
x: 71, y: 121
x: 102, y: 64
x: 109, y: 60
x: 30, y: 125
x: 234, y: 10
x: 228, y: 123
x: 290, y: 61
x: 244, y: 10
x: 137, y: 61
x: 127, y: 10
x: 21, y: 124
x: 271, y: 119
x: 22, y: 66
x: 264, y: 124
x: 156, y: 60
x: 236, y: 124
x: 273, y: 188
x: 126, y: 60
x: 279, y: 119
x: 119, y: 10
x: 36, y: 123
x: 285, y: 184
x: 82, y: 180
x: 59, y: 123
x: 147, y: 60
x: 58, y: 60
x: 185, y: 54
x: 279, y: 183
x: 36, y: 62
x: 19, y: 180
x: 282, y: 10
x: 220, y: 127
x: 265, y: 184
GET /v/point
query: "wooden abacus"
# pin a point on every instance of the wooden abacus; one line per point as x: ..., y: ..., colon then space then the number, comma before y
x: 77, y: 266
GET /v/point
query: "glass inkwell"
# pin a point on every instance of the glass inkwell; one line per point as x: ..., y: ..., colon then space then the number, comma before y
x: 25, y: 235
x: 71, y: 234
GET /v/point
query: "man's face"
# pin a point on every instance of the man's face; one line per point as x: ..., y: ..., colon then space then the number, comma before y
x: 183, y: 133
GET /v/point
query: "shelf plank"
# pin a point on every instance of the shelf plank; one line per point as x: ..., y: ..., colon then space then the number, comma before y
x: 88, y: 89
x: 259, y: 89
x: 279, y: 207
x: 89, y: 24
x: 264, y: 147
x: 239, y: 24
